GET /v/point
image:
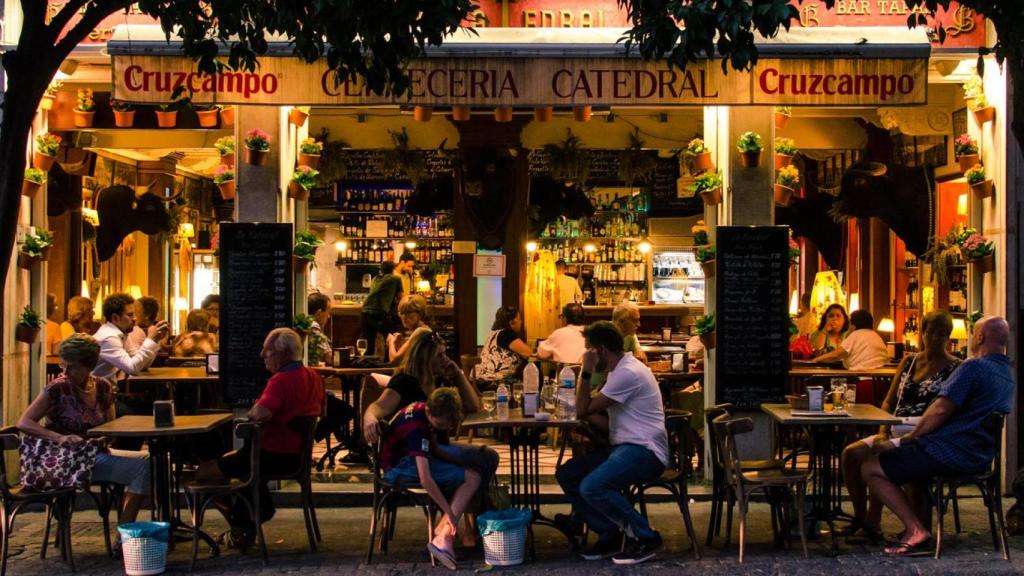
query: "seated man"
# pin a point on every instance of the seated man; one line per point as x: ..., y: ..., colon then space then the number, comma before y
x: 292, y: 392
x: 949, y: 438
x: 115, y: 360
x: 565, y: 345
x: 595, y: 482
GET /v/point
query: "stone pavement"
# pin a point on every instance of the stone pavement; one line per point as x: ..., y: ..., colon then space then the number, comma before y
x: 345, y: 532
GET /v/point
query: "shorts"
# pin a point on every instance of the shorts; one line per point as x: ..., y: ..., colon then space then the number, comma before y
x: 447, y: 476
x: 910, y: 463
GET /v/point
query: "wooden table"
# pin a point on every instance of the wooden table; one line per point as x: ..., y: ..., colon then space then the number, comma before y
x: 351, y: 388
x: 170, y: 377
x: 827, y: 436
x: 159, y: 439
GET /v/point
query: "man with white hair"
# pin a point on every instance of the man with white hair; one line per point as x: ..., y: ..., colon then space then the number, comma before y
x: 294, y: 391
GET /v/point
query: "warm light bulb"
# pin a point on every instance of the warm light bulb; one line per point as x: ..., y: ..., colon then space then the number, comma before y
x: 410, y: 244
x: 854, y: 302
x: 961, y: 205
x: 341, y: 245
x: 959, y: 330
x: 644, y: 247
x: 794, y: 304
x: 531, y: 246
x: 886, y: 325
x: 588, y: 247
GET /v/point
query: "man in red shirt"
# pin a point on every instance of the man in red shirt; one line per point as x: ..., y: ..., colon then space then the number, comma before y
x: 292, y: 392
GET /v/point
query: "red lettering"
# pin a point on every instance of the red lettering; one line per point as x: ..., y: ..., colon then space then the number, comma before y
x: 478, y: 81
x: 457, y: 83
x: 130, y: 81
x: 619, y: 80
x: 763, y: 80
x: 638, y: 84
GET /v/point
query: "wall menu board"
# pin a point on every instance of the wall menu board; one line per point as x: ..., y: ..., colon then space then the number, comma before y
x: 370, y: 165
x: 255, y: 297
x: 752, y: 315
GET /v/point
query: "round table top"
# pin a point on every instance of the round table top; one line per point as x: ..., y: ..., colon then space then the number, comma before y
x: 515, y: 420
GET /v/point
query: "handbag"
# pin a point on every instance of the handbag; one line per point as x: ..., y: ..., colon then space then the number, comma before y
x: 49, y: 465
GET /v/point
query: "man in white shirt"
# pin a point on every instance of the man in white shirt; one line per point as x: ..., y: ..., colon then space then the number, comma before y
x: 595, y: 482
x: 863, y: 348
x: 115, y: 360
x: 565, y: 345
x: 569, y: 291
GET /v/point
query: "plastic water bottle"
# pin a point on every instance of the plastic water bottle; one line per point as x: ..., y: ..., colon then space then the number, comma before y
x: 531, y: 378
x: 565, y: 407
x: 567, y: 377
x: 502, y: 401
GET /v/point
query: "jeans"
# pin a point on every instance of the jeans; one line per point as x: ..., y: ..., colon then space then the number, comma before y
x: 125, y: 467
x: 595, y: 484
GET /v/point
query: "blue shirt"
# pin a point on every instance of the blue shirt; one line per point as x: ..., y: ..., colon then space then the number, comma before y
x: 979, y: 387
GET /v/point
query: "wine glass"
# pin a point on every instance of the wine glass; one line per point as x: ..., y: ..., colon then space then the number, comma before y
x: 361, y: 346
x: 488, y: 399
x: 517, y: 394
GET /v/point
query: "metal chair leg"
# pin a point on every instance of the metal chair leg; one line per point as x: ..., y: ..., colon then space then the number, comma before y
x: 683, y: 498
x: 956, y: 507
x: 743, y: 526
x: 940, y: 510
x: 800, y: 515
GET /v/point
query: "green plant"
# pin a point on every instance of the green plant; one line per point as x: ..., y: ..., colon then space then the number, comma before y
x: 332, y: 158
x: 943, y: 255
x: 975, y: 175
x: 305, y: 176
x: 707, y: 182
x: 84, y: 101
x: 706, y: 253
x: 306, y: 244
x: 705, y: 324
x: 121, y: 105
x: 35, y: 175
x: 973, y: 87
x: 787, y: 110
x: 204, y: 107
x: 225, y: 145
x: 979, y: 102
x: 569, y: 161
x: 794, y: 250
x: 223, y: 174
x: 965, y: 145
x: 311, y: 146
x: 47, y: 143
x: 785, y: 146
x: 977, y: 246
x: 788, y: 176
x: 30, y: 317
x: 257, y: 139
x: 695, y: 147
x: 972, y: 319
x: 750, y: 142
x: 635, y: 165
x: 700, y: 234
x: 793, y: 328
x: 35, y: 243
x: 404, y: 159
x: 177, y: 101
x: 302, y: 322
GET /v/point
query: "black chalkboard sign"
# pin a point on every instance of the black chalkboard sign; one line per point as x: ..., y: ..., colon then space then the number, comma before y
x: 368, y: 166
x: 256, y: 297
x: 752, y: 315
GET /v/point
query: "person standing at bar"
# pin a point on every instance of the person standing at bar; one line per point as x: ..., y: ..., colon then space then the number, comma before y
x: 569, y: 291
x: 406, y: 271
x: 378, y: 315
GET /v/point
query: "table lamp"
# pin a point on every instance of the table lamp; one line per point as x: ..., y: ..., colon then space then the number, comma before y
x: 886, y: 326
x: 959, y: 333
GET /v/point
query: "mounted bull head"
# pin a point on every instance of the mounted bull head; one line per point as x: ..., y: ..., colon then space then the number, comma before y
x: 550, y: 198
x: 125, y: 209
x: 901, y: 196
x: 809, y: 218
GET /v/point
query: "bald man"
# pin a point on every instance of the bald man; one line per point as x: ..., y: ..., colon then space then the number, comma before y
x: 949, y: 439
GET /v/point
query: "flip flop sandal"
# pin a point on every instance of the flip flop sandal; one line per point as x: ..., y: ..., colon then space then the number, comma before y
x: 442, y: 556
x: 905, y: 549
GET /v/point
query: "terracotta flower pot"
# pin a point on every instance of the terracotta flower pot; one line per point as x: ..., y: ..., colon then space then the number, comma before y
x: 207, y: 118
x: 297, y: 191
x: 967, y: 161
x: 781, y: 120
x: 708, y: 340
x: 311, y: 160
x: 750, y: 159
x: 83, y: 119
x: 297, y: 117
x: 985, y: 264
x: 708, y: 268
x: 299, y: 265
x: 782, y: 160
x: 461, y: 113
x: 47, y: 102
x: 44, y: 254
x: 986, y: 114
x: 983, y: 189
x: 422, y: 113
x: 27, y: 261
x: 227, y: 189
x: 125, y: 119
x: 26, y: 334
x: 782, y: 194
x: 29, y: 188
x: 227, y: 116
x: 503, y: 114
x: 167, y: 118
x: 256, y: 157
x: 582, y: 113
x: 228, y: 159
x: 42, y: 161
x: 701, y: 163
x: 543, y: 113
x: 712, y: 197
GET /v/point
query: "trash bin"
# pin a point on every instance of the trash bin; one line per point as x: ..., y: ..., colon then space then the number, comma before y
x: 504, y: 534
x: 144, y: 547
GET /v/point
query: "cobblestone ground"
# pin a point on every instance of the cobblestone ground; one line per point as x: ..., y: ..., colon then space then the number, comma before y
x: 345, y: 532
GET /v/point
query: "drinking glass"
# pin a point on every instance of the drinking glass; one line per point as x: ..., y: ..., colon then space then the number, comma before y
x: 517, y: 394
x: 488, y: 399
x: 838, y: 394
x: 361, y: 346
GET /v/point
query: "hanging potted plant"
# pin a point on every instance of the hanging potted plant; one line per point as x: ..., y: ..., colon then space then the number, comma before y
x: 124, y: 113
x: 946, y: 253
x: 47, y: 146
x: 85, y: 108
x: 309, y: 152
x: 302, y: 323
x: 257, y: 146
x: 29, y: 326
x: 709, y: 186
x: 304, y: 251
x: 35, y: 249
x: 404, y: 159
x: 226, y: 148
x: 698, y: 157
x: 207, y: 114
x: 50, y: 96
x: 973, y: 88
x: 635, y: 165
x: 461, y: 113
x: 782, y: 116
x: 297, y: 115
x: 227, y: 116
x: 568, y: 161
x: 706, y: 330
x: 749, y: 146
x: 794, y: 250
x: 981, y: 185
x: 980, y: 252
x: 966, y: 152
x: 700, y: 234
x: 706, y: 257
x: 785, y: 149
x: 224, y: 178
x: 303, y: 178
x: 983, y: 111
x: 167, y: 114
x: 786, y: 181
x: 34, y: 179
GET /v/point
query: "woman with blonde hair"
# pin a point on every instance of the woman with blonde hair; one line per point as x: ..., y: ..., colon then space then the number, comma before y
x: 80, y: 312
x: 412, y: 311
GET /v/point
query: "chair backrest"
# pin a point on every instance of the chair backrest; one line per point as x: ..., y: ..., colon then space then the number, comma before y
x: 10, y: 439
x: 677, y: 424
x: 993, y: 424
x: 306, y: 427
x: 186, y: 361
x: 710, y: 414
x: 727, y: 429
x: 373, y: 453
x: 250, y: 431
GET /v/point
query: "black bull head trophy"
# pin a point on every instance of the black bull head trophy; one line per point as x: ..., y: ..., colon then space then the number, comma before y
x: 126, y: 209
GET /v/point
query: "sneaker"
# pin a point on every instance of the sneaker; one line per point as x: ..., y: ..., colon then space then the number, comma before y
x: 637, y: 551
x: 604, y: 548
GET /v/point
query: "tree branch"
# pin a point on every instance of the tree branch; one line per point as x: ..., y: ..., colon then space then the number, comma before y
x: 94, y: 14
x: 33, y: 21
x: 57, y: 24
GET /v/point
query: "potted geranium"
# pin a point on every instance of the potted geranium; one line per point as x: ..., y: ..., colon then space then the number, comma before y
x: 224, y: 178
x: 35, y: 249
x: 980, y: 252
x: 706, y: 257
x: 709, y: 186
x: 207, y: 114
x: 257, y: 146
x: 786, y: 180
x: 966, y: 151
x: 794, y: 251
x: 34, y: 179
x: 782, y: 116
x: 28, y: 327
x: 749, y: 146
x: 983, y: 111
x: 47, y: 146
x: 706, y: 330
x: 700, y: 157
x: 700, y: 233
x: 167, y: 114
x: 785, y: 149
x: 981, y: 185
x: 304, y: 251
x: 85, y: 108
x: 124, y: 113
x: 303, y: 178
x: 309, y: 152
x: 227, y: 116
x: 298, y: 114
x: 226, y: 147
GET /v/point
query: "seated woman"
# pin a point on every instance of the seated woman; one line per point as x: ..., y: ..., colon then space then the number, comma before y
x: 626, y: 317
x: 917, y: 382
x: 863, y: 348
x: 412, y: 311
x: 76, y: 401
x: 831, y: 328
x: 504, y: 349
x: 198, y: 341
x: 80, y: 312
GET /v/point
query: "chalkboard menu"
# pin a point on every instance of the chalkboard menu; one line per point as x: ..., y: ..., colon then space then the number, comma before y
x: 255, y: 298
x: 368, y: 165
x: 752, y: 315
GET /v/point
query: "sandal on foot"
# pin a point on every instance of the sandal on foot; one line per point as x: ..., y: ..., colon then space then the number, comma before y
x: 910, y: 550
x: 443, y: 556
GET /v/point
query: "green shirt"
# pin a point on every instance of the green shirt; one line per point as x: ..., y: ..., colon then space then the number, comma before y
x: 383, y: 290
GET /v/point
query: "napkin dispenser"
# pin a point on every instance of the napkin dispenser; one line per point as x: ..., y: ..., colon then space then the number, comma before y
x: 163, y: 413
x: 815, y: 398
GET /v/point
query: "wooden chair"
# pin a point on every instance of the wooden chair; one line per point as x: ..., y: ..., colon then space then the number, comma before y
x: 305, y: 425
x: 988, y: 483
x: 107, y: 498
x: 744, y: 483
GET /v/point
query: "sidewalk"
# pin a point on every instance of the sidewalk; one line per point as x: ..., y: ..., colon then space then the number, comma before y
x: 345, y: 531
